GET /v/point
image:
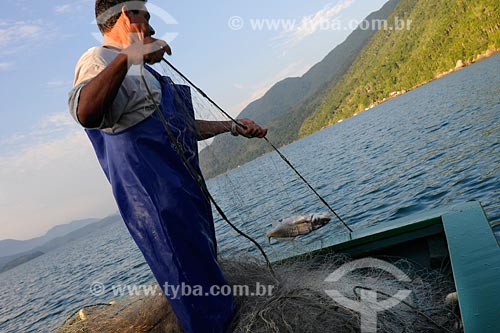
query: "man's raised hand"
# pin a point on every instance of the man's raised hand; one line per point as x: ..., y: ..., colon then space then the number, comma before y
x: 149, y: 50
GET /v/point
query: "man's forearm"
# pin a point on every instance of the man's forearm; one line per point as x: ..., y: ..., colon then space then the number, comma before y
x: 98, y: 95
x: 208, y: 129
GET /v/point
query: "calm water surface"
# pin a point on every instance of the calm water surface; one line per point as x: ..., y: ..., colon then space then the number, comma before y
x: 437, y: 145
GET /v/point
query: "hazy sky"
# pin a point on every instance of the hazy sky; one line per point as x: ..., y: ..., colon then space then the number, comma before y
x: 48, y: 172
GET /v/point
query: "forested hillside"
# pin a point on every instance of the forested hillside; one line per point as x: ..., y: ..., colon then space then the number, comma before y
x: 442, y: 33
x: 422, y: 40
x: 278, y: 108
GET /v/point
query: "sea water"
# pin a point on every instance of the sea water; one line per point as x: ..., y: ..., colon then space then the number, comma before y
x: 436, y: 145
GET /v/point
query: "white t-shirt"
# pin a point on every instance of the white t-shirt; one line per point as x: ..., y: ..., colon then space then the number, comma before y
x: 132, y: 103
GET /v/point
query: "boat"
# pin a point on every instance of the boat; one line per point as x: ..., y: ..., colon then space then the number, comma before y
x: 459, y: 234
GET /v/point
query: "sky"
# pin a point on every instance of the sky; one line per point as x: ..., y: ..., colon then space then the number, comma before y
x: 48, y: 171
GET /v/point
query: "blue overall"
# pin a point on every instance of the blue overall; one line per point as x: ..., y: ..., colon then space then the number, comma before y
x: 165, y: 210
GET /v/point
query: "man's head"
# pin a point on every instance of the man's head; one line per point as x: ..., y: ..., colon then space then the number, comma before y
x: 108, y: 12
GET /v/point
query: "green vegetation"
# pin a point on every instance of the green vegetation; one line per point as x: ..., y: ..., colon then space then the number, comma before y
x: 441, y: 33
x: 288, y: 103
x: 365, y: 70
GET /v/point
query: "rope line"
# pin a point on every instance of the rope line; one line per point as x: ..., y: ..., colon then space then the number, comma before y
x: 283, y: 157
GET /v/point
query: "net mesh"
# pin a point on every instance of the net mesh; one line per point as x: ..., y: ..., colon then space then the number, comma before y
x: 240, y: 192
x: 297, y: 302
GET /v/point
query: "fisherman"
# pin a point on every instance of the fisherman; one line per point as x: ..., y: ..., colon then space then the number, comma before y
x: 161, y: 201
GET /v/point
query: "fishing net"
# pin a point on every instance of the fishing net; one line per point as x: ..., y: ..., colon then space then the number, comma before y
x: 236, y: 196
x: 240, y: 193
x: 295, y: 302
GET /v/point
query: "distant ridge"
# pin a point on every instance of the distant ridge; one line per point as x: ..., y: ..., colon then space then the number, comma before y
x: 10, y: 247
x: 9, y: 262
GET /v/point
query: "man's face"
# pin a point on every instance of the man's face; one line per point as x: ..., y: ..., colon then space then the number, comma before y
x: 140, y: 22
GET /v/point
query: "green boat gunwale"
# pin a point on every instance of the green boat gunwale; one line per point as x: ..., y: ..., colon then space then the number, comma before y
x: 460, y: 232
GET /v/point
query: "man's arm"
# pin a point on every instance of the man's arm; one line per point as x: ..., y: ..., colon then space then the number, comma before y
x: 98, y: 94
x: 208, y: 129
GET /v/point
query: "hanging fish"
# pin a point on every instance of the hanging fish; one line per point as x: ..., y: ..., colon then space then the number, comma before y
x: 297, y: 225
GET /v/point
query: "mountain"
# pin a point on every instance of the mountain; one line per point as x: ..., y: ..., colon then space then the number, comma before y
x: 11, y: 261
x: 10, y: 247
x: 368, y: 68
x: 444, y: 35
x: 276, y: 107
